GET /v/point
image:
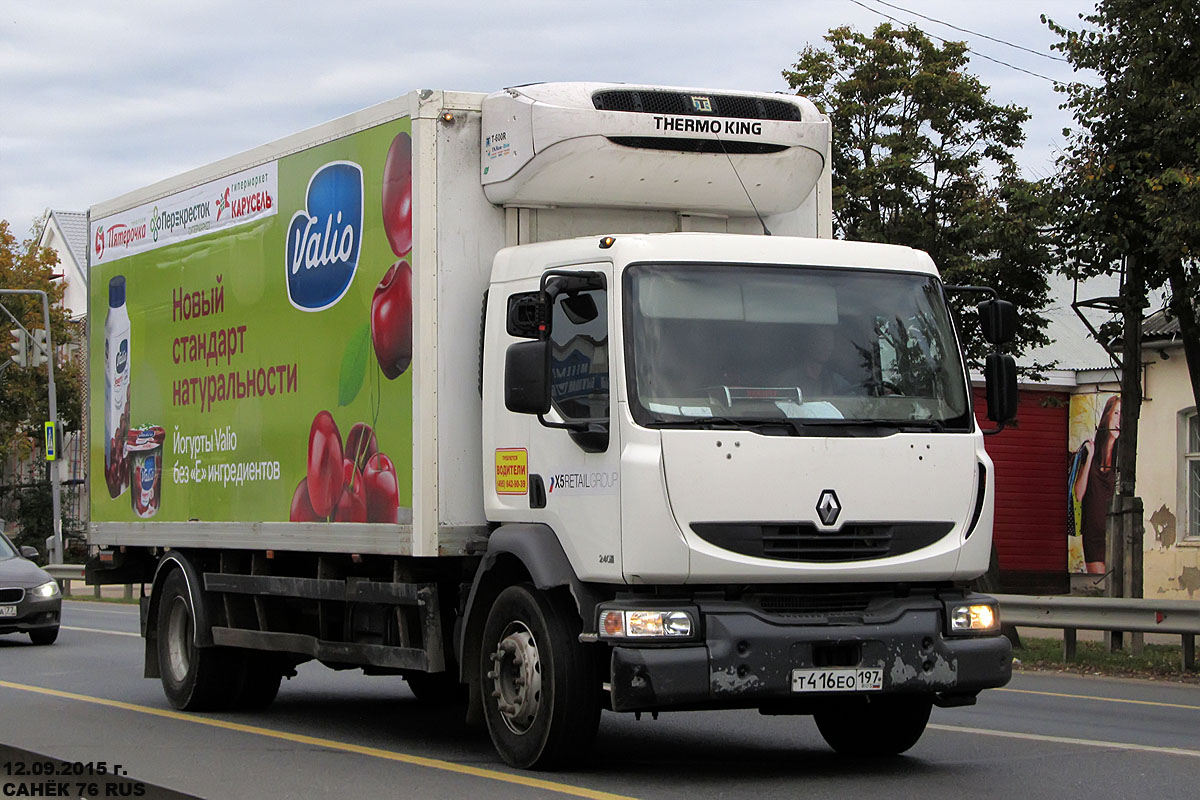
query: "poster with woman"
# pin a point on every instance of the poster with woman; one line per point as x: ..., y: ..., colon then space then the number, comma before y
x: 1094, y: 427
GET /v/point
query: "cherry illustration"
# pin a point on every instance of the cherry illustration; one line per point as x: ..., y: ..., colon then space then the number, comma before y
x: 391, y: 320
x: 382, y: 489
x: 397, y: 195
x: 352, y: 505
x: 360, y: 444
x: 324, y: 476
x: 302, y: 510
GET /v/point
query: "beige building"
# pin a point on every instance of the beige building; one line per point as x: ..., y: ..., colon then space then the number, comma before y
x: 1169, y: 465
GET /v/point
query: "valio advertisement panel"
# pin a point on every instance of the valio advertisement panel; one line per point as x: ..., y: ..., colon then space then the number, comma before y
x: 253, y: 338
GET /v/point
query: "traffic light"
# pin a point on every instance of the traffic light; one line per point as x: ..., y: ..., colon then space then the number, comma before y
x: 41, y: 348
x: 20, y: 355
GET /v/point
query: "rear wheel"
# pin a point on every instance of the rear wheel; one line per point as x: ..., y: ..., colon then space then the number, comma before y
x: 43, y: 636
x: 541, y: 698
x: 262, y: 674
x: 877, y: 725
x: 193, y: 678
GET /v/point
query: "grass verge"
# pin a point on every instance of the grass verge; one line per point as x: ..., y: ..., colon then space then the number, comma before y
x: 1157, y: 662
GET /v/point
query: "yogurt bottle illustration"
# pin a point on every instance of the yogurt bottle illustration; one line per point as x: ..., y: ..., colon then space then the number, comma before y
x: 145, y: 448
x: 116, y: 389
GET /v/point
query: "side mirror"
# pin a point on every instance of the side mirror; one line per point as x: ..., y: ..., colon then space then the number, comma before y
x: 580, y: 308
x: 998, y: 319
x: 527, y: 377
x: 1000, y: 376
x: 29, y: 552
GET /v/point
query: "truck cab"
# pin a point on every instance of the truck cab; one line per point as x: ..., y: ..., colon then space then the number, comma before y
x: 759, y: 454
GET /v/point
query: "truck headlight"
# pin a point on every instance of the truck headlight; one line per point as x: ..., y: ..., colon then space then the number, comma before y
x: 638, y: 624
x: 46, y: 590
x: 974, y: 618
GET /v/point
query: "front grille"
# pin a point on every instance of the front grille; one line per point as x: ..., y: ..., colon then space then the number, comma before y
x: 681, y: 103
x: 804, y: 604
x: 713, y: 145
x: 803, y: 541
x: 9, y: 596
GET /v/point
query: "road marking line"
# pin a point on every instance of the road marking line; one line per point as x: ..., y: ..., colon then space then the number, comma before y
x: 1038, y: 737
x: 1104, y: 699
x: 99, y: 630
x: 374, y: 752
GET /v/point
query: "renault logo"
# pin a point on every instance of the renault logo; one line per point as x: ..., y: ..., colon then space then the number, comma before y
x: 828, y: 507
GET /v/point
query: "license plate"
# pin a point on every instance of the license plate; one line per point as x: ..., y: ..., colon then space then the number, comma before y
x: 843, y: 679
x: 8, y: 611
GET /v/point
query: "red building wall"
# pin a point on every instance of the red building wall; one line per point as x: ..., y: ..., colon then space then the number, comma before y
x: 1030, y: 461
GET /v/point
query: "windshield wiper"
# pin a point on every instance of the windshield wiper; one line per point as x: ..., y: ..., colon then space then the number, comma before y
x: 720, y: 423
x: 935, y: 425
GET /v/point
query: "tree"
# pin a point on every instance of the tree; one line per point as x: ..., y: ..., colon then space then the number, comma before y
x: 1130, y: 176
x: 922, y: 158
x: 24, y: 404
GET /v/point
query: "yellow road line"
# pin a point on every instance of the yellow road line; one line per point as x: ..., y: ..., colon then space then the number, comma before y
x: 99, y: 630
x: 1038, y: 737
x: 1102, y: 699
x: 331, y: 744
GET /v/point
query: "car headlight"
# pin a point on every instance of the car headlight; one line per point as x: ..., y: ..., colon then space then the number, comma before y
x: 644, y: 624
x: 46, y: 590
x: 974, y: 618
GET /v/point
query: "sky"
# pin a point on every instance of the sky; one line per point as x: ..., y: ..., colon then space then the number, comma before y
x: 101, y: 97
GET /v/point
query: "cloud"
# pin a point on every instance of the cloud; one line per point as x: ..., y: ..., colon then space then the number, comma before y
x: 101, y: 98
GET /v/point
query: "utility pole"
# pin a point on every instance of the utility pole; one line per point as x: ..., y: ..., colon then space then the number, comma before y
x: 1124, y: 537
x: 56, y: 555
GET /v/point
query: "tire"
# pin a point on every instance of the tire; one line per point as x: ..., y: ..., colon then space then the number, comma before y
x: 880, y: 725
x: 193, y: 678
x: 437, y: 688
x: 44, y: 636
x: 262, y: 674
x: 541, y: 695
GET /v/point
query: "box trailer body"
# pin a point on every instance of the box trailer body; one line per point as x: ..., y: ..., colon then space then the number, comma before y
x: 446, y: 388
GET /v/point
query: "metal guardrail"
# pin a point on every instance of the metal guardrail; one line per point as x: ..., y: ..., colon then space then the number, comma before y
x: 1134, y: 614
x: 65, y: 573
x: 62, y: 572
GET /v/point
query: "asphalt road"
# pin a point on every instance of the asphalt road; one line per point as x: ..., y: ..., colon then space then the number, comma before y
x: 345, y: 735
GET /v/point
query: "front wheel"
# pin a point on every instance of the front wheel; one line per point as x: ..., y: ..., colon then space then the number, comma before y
x: 541, y: 698
x: 878, y: 725
x: 44, y: 636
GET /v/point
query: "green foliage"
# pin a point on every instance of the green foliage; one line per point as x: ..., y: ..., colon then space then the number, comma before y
x: 24, y: 404
x: 1131, y: 171
x: 922, y: 158
x: 1130, y: 177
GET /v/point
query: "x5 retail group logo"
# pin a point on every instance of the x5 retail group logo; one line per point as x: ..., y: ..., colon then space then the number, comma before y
x: 325, y: 237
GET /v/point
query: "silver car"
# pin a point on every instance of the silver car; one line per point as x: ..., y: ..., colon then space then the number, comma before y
x: 30, y: 600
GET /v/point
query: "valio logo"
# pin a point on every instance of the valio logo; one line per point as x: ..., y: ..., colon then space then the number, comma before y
x: 324, y: 238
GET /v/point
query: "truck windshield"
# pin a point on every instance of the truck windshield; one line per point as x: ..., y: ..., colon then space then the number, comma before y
x: 791, y: 348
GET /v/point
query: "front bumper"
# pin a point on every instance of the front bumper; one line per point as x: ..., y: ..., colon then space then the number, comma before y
x: 746, y: 658
x: 33, y: 613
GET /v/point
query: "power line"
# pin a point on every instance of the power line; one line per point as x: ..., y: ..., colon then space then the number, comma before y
x: 969, y: 50
x: 973, y: 33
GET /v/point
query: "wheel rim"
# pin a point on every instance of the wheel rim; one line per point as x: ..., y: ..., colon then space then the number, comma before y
x: 179, y: 639
x: 517, y: 677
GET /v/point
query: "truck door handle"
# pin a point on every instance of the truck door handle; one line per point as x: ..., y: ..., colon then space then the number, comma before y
x: 537, y: 492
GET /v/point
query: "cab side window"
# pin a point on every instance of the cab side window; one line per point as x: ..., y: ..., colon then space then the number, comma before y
x: 579, y: 355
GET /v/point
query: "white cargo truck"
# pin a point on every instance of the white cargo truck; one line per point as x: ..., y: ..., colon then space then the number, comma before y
x: 512, y: 393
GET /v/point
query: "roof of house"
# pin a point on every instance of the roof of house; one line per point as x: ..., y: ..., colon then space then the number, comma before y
x: 1072, y: 346
x: 73, y: 225
x: 1161, y: 325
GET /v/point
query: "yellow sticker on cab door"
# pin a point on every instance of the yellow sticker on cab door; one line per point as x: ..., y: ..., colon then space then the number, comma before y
x: 512, y: 470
